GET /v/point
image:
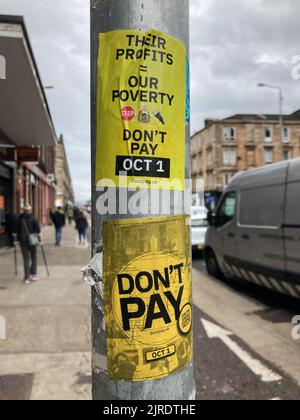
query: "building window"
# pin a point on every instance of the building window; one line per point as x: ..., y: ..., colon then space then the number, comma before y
x: 286, y: 134
x: 268, y: 156
x: 193, y: 149
x: 194, y: 166
x: 210, y: 181
x: 269, y: 134
x: 287, y: 154
x: 210, y: 158
x: 210, y: 136
x: 199, y: 144
x: 250, y: 158
x: 229, y: 134
x: 229, y: 157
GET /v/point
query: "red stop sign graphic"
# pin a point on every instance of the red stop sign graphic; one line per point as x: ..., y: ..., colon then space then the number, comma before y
x: 128, y: 113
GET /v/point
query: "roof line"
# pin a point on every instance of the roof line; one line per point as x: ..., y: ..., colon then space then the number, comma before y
x: 257, y: 115
x: 19, y: 20
x: 234, y: 119
x: 61, y: 141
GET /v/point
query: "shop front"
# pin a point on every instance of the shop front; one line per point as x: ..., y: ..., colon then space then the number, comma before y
x: 34, y: 188
x: 27, y: 134
x: 6, y: 199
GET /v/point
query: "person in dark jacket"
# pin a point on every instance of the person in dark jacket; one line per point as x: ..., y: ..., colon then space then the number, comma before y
x: 76, y: 212
x: 10, y: 226
x: 26, y: 225
x: 59, y: 220
x: 82, y: 228
x: 70, y: 214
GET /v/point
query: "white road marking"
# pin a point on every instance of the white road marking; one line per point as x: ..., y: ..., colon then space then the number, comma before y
x: 214, y: 331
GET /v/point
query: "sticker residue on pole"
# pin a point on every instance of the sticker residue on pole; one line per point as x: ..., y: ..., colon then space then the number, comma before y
x: 188, y: 96
x: 147, y: 295
x: 141, y: 107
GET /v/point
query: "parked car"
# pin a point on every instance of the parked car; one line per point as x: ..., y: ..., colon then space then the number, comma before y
x: 199, y: 227
x: 255, y: 232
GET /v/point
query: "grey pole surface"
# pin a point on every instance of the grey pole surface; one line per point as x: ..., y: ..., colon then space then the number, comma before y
x: 170, y: 17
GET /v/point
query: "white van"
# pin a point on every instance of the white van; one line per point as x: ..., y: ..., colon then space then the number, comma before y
x: 255, y: 231
x: 199, y: 227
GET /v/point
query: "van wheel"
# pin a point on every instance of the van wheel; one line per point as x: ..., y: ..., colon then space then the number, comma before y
x: 212, y: 265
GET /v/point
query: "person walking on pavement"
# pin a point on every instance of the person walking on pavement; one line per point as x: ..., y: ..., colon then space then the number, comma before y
x: 28, y: 232
x: 70, y: 214
x: 59, y: 220
x: 10, y: 226
x: 82, y: 228
x: 76, y: 213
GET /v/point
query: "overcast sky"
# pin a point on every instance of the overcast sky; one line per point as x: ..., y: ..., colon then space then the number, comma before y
x: 234, y: 45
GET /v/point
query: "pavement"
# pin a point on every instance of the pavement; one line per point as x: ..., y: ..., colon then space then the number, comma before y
x: 244, y: 349
x: 46, y: 354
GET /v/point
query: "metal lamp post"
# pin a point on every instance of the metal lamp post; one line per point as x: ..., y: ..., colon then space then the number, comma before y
x: 279, y: 89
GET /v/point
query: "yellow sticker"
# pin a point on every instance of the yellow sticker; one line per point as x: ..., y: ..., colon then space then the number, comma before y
x: 147, y: 288
x: 141, y: 107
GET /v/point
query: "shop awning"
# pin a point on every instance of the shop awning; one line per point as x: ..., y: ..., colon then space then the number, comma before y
x: 24, y: 113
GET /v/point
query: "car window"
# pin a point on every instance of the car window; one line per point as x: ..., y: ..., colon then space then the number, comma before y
x: 227, y: 209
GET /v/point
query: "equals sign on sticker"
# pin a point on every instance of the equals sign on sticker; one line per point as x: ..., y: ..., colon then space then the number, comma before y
x: 144, y: 69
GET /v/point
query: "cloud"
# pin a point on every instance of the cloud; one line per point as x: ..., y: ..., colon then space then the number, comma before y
x: 235, y: 44
x: 59, y: 34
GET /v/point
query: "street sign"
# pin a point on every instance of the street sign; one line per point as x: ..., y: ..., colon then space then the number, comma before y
x: 23, y: 154
x: 28, y: 154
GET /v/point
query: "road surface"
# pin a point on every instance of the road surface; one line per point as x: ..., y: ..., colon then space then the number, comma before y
x: 244, y: 348
x: 243, y: 342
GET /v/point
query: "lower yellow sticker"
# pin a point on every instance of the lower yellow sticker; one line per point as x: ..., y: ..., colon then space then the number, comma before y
x: 147, y: 287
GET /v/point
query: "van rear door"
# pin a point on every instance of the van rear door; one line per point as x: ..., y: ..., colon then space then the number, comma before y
x: 292, y: 229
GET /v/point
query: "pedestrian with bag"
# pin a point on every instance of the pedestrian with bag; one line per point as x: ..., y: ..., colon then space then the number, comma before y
x: 28, y: 233
x: 10, y: 226
x: 82, y: 225
x: 59, y: 220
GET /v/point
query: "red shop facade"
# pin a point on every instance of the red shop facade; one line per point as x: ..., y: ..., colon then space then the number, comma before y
x: 33, y: 187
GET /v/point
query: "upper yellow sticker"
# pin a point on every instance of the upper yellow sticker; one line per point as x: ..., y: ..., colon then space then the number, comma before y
x: 141, y: 110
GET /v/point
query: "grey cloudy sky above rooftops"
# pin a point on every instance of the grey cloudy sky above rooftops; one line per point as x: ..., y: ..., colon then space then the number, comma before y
x: 235, y: 44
